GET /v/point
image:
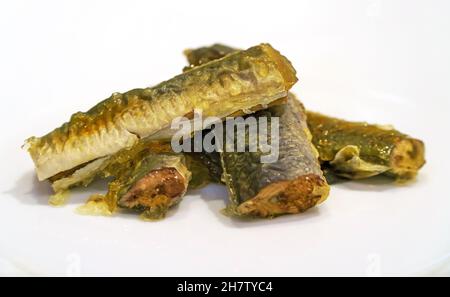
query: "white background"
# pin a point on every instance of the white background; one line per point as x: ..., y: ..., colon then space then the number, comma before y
x: 381, y: 61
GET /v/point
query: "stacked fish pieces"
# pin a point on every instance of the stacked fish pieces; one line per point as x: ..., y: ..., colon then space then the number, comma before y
x: 353, y: 150
x: 128, y: 137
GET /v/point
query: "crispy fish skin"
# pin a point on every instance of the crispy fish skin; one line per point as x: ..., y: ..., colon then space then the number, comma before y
x: 359, y: 150
x: 292, y: 184
x: 222, y: 87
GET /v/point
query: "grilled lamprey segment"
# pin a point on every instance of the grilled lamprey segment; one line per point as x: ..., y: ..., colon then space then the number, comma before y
x: 240, y: 81
x: 359, y: 150
x: 151, y: 184
x: 291, y: 184
x: 353, y: 150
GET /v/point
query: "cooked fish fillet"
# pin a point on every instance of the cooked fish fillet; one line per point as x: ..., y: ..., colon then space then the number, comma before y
x: 358, y: 150
x: 350, y: 149
x: 150, y: 184
x: 293, y: 183
x: 240, y: 81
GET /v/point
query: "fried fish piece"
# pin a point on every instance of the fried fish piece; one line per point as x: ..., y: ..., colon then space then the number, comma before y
x: 358, y: 150
x: 346, y: 149
x: 149, y: 178
x: 203, y: 169
x: 152, y: 184
x: 291, y: 184
x: 240, y: 81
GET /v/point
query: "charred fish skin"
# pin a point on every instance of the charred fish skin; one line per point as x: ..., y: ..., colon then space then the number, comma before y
x: 292, y: 184
x: 359, y: 150
x: 222, y: 87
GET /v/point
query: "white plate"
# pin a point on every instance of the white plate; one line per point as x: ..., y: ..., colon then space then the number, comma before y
x: 380, y: 61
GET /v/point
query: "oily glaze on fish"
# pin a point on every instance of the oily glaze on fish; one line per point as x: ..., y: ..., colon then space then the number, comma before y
x: 350, y: 150
x: 149, y: 178
x: 106, y: 167
x: 239, y: 81
x: 292, y: 184
x: 359, y: 150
